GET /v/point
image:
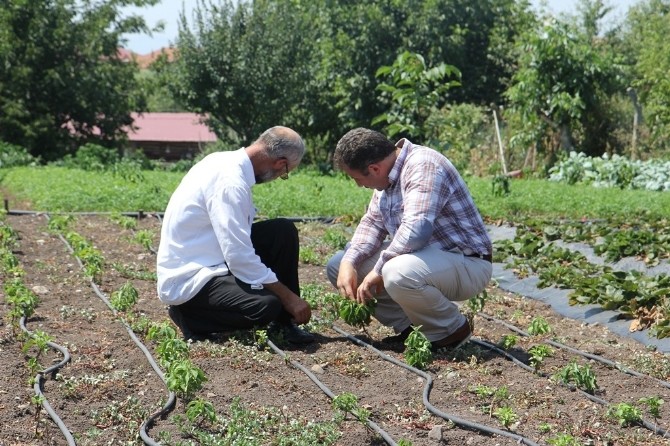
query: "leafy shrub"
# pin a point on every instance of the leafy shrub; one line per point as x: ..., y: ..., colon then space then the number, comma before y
x: 92, y: 157
x: 12, y: 155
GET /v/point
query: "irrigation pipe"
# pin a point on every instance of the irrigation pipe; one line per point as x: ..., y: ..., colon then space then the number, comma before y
x: 650, y: 426
x: 426, y: 392
x: 169, y: 405
x: 605, y: 361
x: 39, y: 379
x: 372, y: 425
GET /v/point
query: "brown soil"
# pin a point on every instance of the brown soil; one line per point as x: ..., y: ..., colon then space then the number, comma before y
x: 108, y: 388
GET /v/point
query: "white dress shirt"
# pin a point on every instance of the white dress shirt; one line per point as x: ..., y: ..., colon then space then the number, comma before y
x: 206, y: 230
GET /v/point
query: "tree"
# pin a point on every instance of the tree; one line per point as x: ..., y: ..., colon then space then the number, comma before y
x: 413, y: 91
x: 557, y: 95
x: 62, y: 81
x: 647, y: 34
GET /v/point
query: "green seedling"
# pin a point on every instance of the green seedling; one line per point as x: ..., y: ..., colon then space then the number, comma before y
x: 653, y: 404
x: 538, y: 353
x: 125, y: 297
x: 625, y: 414
x: 184, y: 378
x: 564, y: 440
x: 538, y: 326
x: 199, y: 411
x: 145, y: 238
x: 355, y: 314
x: 348, y: 403
x: 261, y: 339
x: 581, y: 376
x: 476, y: 304
x: 506, y: 416
x: 171, y: 350
x: 508, y: 341
x: 124, y: 221
x: 418, y: 349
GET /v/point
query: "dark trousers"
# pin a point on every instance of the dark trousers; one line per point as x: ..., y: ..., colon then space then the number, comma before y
x: 226, y: 303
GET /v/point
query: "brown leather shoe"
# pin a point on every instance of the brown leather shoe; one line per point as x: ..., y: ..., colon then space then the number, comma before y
x: 456, y: 339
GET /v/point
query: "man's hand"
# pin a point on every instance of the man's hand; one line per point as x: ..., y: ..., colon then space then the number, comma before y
x: 347, y: 281
x: 372, y: 285
x: 299, y: 309
x: 294, y: 304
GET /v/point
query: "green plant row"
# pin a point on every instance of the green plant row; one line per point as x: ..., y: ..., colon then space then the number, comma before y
x: 633, y: 293
x: 311, y: 194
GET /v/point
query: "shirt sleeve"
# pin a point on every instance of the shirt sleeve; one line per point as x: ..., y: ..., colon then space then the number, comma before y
x: 424, y: 189
x: 369, y: 234
x: 231, y: 213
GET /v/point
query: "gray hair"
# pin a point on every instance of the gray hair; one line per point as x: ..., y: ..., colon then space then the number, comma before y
x: 282, y: 142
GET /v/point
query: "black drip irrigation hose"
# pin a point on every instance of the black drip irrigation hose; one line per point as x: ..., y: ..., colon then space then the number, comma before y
x: 372, y: 425
x: 39, y: 379
x: 646, y: 424
x: 471, y: 425
x: 169, y: 405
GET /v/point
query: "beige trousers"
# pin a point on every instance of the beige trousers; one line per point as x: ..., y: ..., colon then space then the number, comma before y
x: 421, y: 288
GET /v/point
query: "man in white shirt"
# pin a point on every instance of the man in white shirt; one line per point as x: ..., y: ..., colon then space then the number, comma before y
x: 217, y: 269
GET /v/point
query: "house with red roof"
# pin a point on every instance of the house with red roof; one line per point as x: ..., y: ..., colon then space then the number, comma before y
x: 169, y: 136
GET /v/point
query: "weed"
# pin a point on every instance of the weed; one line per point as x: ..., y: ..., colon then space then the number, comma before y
x: 545, y: 428
x: 129, y: 272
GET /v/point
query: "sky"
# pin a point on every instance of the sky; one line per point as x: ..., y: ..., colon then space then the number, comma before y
x: 168, y: 11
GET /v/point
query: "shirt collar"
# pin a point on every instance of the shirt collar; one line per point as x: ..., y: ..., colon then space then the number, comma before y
x: 405, y: 146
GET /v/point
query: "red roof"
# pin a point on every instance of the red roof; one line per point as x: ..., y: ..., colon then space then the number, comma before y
x: 170, y: 127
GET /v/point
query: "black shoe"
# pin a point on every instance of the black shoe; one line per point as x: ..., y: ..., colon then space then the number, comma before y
x: 291, y: 333
x: 178, y: 318
x: 399, y: 338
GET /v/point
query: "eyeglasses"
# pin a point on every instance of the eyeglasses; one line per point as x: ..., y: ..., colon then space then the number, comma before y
x: 284, y: 176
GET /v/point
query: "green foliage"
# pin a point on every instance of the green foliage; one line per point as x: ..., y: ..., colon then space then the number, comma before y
x: 125, y: 297
x: 625, y: 414
x: 538, y: 353
x: 144, y: 237
x: 412, y: 91
x: 653, y: 404
x: 582, y: 376
x: 348, y: 403
x: 93, y: 157
x: 355, y: 314
x: 62, y: 80
x: 200, y: 410
x: 505, y: 415
x: 564, y: 440
x: 508, y: 341
x: 538, y: 326
x: 12, y: 155
x: 558, y: 92
x: 184, y: 378
x: 418, y: 349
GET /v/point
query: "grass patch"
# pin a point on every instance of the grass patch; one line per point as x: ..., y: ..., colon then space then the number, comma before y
x: 310, y: 194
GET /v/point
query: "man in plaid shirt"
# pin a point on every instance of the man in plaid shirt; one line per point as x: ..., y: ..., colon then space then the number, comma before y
x: 421, y: 245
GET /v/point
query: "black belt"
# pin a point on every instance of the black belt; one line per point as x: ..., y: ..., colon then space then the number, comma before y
x: 486, y: 257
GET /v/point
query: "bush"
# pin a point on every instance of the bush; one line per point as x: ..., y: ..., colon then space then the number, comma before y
x: 92, y: 157
x: 12, y: 155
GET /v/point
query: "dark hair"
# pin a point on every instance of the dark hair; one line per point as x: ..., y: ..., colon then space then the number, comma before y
x: 360, y: 147
x: 282, y: 142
